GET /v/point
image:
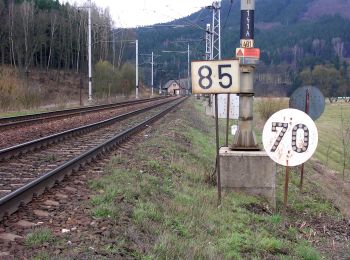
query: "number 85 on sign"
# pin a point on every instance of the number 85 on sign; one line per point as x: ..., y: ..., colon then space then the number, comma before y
x: 215, y: 77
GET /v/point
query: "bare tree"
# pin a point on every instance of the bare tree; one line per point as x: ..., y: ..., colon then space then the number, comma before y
x: 11, y: 6
x: 53, y: 27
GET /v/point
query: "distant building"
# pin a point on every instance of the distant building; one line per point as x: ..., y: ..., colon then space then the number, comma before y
x: 177, y: 87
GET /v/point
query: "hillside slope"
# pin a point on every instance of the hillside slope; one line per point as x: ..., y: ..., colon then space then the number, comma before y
x: 318, y: 8
x: 292, y: 34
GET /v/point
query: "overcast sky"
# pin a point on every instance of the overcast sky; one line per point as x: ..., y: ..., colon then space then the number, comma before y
x: 132, y: 13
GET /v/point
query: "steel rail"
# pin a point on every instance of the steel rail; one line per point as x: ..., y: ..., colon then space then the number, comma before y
x: 6, y: 122
x: 13, y: 201
x: 24, y: 148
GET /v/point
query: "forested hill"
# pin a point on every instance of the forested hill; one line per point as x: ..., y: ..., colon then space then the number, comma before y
x: 293, y: 35
x: 298, y: 39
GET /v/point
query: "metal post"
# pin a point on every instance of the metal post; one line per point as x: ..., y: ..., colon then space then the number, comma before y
x: 228, y: 118
x: 188, y: 68
x: 113, y: 60
x: 286, y: 183
x: 245, y: 138
x: 219, y: 30
x: 216, y: 32
x: 160, y: 85
x: 152, y: 72
x: 90, y: 55
x: 137, y: 68
x: 307, y: 110
x: 218, y: 173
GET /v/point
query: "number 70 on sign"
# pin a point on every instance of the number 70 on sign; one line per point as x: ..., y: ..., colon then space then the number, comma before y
x: 215, y: 77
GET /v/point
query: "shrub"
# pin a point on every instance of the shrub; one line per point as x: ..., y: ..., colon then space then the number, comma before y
x: 14, y: 93
x: 10, y: 88
x: 266, y: 107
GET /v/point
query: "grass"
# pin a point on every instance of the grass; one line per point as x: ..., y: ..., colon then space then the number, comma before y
x: 19, y: 113
x: 42, y: 256
x: 166, y: 188
x: 39, y: 237
x: 309, y: 202
x: 330, y: 149
x: 304, y: 251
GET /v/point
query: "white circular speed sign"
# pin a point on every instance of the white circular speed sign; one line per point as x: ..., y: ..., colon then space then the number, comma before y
x: 290, y: 137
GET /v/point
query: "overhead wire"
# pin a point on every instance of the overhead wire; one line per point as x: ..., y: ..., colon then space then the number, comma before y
x: 228, y: 14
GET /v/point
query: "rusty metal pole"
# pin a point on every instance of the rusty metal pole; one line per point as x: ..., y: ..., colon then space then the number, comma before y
x: 286, y: 184
x: 218, y: 173
x: 307, y: 110
x: 228, y: 118
x: 245, y: 138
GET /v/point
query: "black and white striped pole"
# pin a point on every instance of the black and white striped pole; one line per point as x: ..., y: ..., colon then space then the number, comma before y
x: 245, y: 138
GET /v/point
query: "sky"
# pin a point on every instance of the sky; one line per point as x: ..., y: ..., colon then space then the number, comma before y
x: 133, y: 13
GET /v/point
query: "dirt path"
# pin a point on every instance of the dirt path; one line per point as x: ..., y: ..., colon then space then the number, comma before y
x: 333, y: 186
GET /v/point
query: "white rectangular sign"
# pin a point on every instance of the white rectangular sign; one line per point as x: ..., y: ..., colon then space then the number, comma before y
x: 215, y: 77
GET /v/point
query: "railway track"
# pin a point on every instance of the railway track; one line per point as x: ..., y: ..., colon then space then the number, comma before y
x: 11, y: 122
x: 29, y: 169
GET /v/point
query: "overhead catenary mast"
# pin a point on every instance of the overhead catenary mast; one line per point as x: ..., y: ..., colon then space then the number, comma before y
x: 152, y: 80
x: 90, y: 55
x: 137, y: 68
x: 216, y: 32
x: 208, y: 42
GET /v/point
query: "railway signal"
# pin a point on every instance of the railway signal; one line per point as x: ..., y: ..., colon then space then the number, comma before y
x: 249, y: 56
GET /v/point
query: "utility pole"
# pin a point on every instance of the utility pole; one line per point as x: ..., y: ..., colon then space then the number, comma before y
x: 113, y: 60
x: 137, y: 68
x: 188, y: 69
x: 245, y: 138
x: 90, y: 63
x: 208, y: 42
x: 216, y: 32
x: 152, y: 67
x: 214, y: 37
x: 152, y: 83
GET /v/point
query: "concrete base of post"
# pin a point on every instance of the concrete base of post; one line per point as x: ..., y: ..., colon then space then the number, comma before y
x: 250, y: 172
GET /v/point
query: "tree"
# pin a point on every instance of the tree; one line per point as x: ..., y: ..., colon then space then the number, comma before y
x: 106, y: 79
x: 127, y: 75
x: 328, y: 79
x: 306, y: 77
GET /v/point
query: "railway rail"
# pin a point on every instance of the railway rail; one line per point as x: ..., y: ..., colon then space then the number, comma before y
x: 28, y: 170
x: 7, y: 122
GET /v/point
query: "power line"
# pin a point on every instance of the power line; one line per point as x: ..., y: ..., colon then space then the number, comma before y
x: 228, y: 14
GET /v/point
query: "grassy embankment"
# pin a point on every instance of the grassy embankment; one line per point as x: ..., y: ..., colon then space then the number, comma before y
x: 170, y: 201
x: 330, y: 151
x: 330, y: 147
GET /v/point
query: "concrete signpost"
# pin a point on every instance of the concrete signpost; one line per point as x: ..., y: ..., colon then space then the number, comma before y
x: 290, y: 138
x: 245, y: 168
